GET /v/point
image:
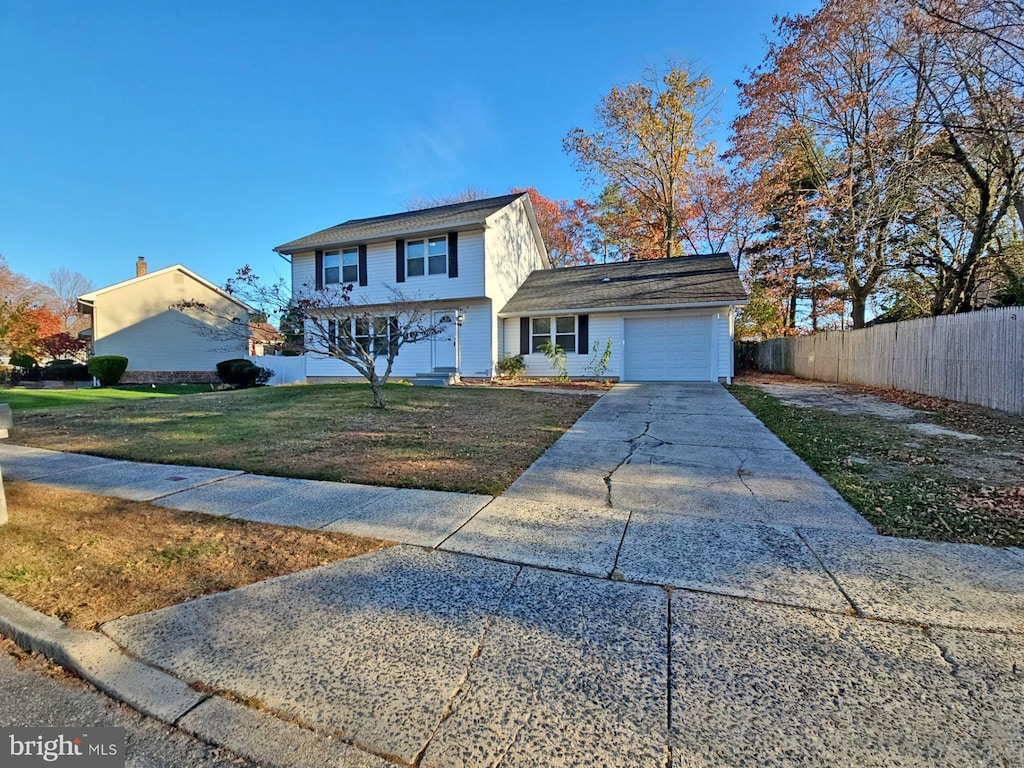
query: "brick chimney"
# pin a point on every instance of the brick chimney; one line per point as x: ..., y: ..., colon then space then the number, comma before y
x: 140, y: 266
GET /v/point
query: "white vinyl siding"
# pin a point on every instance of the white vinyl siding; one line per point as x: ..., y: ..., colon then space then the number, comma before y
x: 612, y: 325
x: 474, y: 341
x: 138, y: 321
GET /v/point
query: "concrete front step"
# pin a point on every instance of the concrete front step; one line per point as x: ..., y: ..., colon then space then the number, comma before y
x: 438, y: 378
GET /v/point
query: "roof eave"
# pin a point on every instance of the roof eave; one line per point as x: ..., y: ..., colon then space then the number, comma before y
x: 623, y: 308
x: 291, y: 250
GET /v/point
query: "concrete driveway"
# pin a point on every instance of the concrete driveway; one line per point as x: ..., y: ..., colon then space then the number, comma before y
x: 668, y: 585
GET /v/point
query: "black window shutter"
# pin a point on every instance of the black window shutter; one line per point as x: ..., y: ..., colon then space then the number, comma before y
x: 362, y: 264
x: 453, y: 254
x: 524, y: 335
x: 399, y: 261
x: 583, y: 335
x: 319, y: 270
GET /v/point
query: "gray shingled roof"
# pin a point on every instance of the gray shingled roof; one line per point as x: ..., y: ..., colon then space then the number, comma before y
x: 442, y: 218
x: 709, y: 279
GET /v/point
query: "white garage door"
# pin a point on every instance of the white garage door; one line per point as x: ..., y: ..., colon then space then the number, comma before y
x: 669, y: 349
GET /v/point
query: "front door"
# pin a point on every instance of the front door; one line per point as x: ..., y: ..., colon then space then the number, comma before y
x: 444, y: 342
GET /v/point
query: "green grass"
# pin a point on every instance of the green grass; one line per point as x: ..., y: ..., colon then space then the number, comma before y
x: 453, y: 439
x: 900, y: 485
x: 24, y: 399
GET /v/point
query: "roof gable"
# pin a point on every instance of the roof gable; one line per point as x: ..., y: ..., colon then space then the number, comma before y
x: 439, y: 219
x: 705, y: 279
x: 90, y: 297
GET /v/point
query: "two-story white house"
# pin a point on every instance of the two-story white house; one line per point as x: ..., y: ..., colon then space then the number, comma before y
x: 464, y: 261
x: 483, y: 263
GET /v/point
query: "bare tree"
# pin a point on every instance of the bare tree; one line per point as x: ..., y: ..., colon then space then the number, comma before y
x: 419, y: 202
x: 366, y: 337
x: 67, y: 286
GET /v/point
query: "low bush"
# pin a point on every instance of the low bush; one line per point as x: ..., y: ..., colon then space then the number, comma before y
x: 511, y: 366
x: 24, y: 368
x: 108, y: 368
x: 66, y: 370
x: 22, y: 360
x: 242, y: 374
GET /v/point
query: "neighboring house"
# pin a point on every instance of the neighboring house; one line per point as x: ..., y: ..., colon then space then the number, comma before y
x: 485, y: 261
x: 462, y: 260
x: 138, y: 319
x: 264, y: 339
x: 667, y: 319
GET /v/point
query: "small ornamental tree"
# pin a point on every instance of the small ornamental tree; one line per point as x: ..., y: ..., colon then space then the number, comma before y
x: 108, y: 368
x: 367, y: 338
x: 63, y: 345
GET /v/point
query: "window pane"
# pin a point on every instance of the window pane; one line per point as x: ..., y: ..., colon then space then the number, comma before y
x: 565, y: 325
x: 438, y: 246
x: 538, y: 341
x: 541, y: 325
x: 362, y: 327
x: 350, y: 273
x: 350, y: 256
x: 332, y: 272
x: 414, y: 249
x: 438, y: 264
x: 566, y: 341
x: 415, y: 267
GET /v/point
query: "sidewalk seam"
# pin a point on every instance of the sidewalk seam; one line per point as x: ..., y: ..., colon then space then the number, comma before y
x: 831, y: 575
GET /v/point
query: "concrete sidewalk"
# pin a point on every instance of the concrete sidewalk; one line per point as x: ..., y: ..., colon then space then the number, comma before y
x: 405, y: 515
x: 668, y: 585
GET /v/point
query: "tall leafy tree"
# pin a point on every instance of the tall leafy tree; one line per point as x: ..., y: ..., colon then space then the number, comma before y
x: 25, y: 318
x: 833, y: 93
x: 964, y: 58
x: 652, y: 137
x: 563, y: 225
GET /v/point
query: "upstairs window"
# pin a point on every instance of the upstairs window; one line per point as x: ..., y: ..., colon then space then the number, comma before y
x: 426, y: 257
x: 561, y: 330
x: 341, y: 266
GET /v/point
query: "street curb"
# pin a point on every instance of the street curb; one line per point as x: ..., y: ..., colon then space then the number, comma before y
x: 99, y: 660
x: 255, y: 735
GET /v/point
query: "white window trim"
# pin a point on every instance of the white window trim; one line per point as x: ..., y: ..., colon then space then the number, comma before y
x: 553, y: 332
x: 341, y: 253
x: 426, y: 256
x: 335, y: 337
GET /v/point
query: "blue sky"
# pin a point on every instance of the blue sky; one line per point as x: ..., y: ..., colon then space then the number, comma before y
x: 205, y: 133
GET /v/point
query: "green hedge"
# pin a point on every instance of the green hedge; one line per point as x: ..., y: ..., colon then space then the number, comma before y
x: 66, y: 370
x: 242, y: 373
x: 108, y: 368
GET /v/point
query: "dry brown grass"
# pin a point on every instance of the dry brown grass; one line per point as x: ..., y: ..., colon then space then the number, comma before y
x: 88, y: 559
x: 472, y: 440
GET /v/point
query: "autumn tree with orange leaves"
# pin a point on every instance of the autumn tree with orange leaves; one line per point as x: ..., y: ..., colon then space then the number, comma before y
x: 652, y: 138
x: 25, y: 318
x: 564, y: 226
x: 904, y: 120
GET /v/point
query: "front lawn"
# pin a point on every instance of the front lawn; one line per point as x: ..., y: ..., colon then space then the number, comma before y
x: 22, y: 399
x: 88, y: 559
x: 450, y: 438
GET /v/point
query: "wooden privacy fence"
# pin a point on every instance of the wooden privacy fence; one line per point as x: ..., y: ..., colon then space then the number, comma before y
x: 976, y: 357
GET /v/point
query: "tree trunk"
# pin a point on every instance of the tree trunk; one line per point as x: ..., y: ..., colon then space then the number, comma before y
x: 858, y: 310
x: 378, y: 392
